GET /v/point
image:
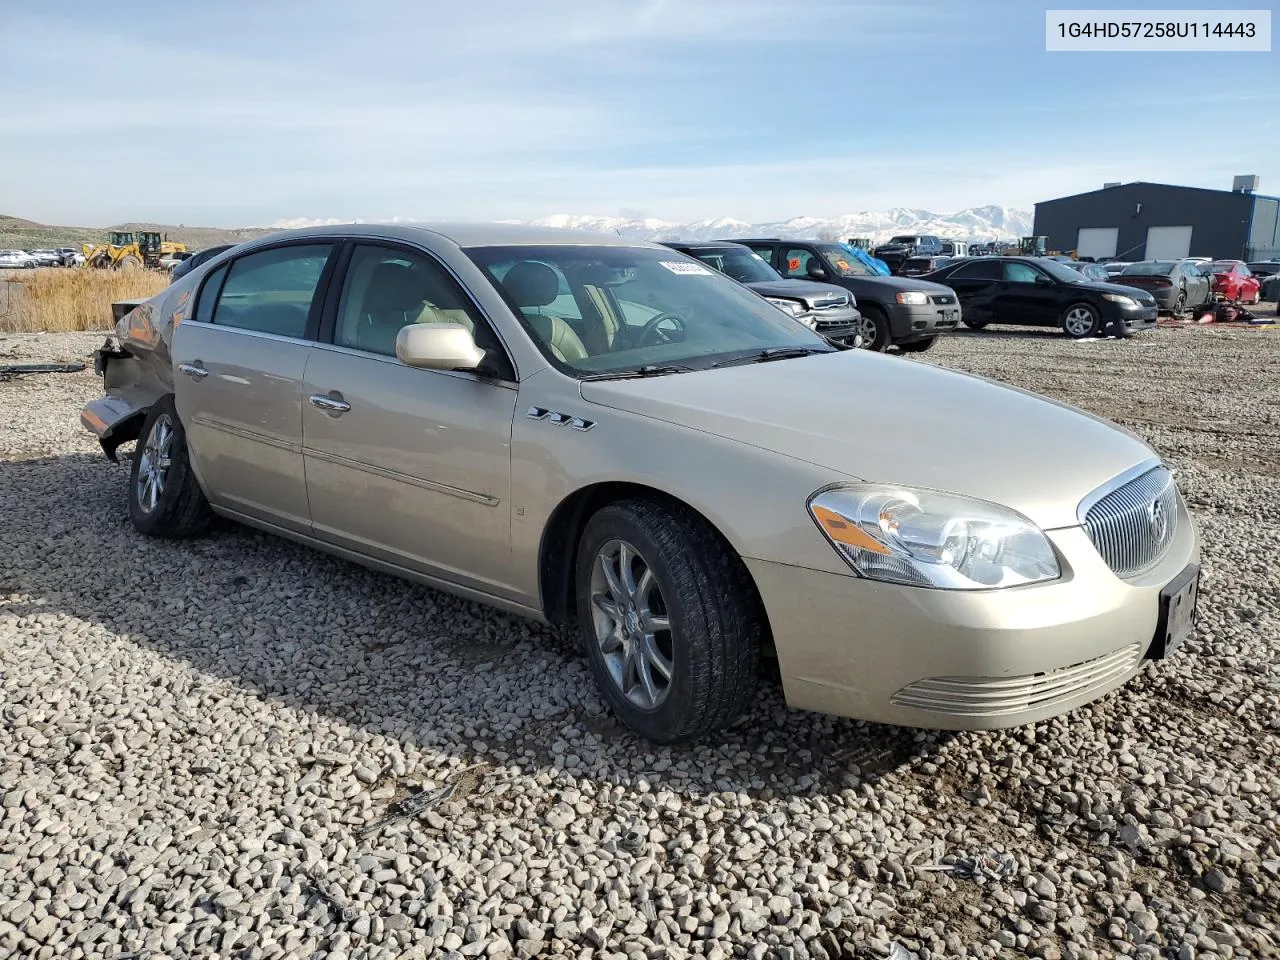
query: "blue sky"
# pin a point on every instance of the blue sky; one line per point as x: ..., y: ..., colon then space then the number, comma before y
x: 242, y: 113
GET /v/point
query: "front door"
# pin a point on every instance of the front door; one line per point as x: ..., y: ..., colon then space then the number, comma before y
x: 1027, y: 296
x: 409, y: 466
x: 238, y: 381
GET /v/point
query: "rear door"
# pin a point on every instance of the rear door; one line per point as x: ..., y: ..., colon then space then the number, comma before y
x: 408, y: 466
x: 239, y: 363
x: 976, y: 284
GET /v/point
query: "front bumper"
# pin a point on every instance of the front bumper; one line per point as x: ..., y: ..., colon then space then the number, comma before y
x: 1140, y: 318
x: 964, y: 660
x: 838, y: 323
x: 908, y: 322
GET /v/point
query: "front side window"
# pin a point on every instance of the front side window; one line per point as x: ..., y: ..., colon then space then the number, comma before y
x: 795, y: 262
x: 388, y: 288
x: 272, y: 291
x: 1019, y: 273
x: 609, y: 309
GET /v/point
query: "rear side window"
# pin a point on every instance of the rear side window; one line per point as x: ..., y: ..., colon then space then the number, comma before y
x: 272, y: 291
x: 979, y: 270
x: 209, y: 295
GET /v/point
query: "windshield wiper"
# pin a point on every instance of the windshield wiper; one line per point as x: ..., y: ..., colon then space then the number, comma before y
x: 772, y: 353
x: 648, y: 370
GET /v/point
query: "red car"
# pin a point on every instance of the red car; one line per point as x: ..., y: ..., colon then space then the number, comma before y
x: 1232, y: 280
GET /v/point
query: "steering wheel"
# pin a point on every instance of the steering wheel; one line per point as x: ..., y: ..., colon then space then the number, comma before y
x: 651, y: 329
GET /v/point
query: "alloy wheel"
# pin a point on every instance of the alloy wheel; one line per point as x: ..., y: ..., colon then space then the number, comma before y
x: 153, y: 464
x: 1079, y: 322
x: 868, y: 328
x: 632, y: 625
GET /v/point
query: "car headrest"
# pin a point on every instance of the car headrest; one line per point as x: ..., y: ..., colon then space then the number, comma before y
x: 394, y: 288
x: 531, y: 284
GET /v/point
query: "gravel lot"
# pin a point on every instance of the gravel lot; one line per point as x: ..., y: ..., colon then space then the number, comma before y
x: 195, y: 735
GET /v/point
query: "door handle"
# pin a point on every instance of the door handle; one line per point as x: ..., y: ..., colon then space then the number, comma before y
x: 328, y: 404
x: 195, y: 371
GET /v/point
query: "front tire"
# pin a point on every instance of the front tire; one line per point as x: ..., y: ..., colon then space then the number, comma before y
x: 165, y: 500
x: 875, y: 328
x: 1081, y: 321
x: 669, y: 618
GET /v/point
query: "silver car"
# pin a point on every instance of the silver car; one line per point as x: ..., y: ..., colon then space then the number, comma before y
x: 592, y: 430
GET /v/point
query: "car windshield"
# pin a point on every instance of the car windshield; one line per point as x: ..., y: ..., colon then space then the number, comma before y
x: 742, y: 264
x: 619, y: 310
x: 903, y: 240
x: 1152, y: 268
x: 1060, y: 271
x: 844, y: 262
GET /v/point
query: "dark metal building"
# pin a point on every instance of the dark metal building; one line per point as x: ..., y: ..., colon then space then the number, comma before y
x: 1157, y: 221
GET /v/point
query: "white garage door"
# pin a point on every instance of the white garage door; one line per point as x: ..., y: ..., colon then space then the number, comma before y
x: 1097, y: 242
x: 1168, y: 243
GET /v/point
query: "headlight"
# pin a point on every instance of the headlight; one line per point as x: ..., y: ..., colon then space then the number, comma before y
x: 925, y: 538
x: 789, y: 306
x: 914, y: 297
x: 1121, y: 299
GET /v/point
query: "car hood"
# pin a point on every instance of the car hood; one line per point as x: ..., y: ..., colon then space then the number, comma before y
x: 896, y: 284
x: 874, y: 417
x: 810, y: 291
x: 1112, y: 287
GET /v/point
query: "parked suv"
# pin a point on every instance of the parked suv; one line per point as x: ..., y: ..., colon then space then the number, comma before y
x: 822, y: 307
x: 902, y: 248
x: 896, y: 311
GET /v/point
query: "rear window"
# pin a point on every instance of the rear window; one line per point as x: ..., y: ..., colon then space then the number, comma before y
x: 1222, y: 266
x: 1155, y: 268
x: 271, y: 291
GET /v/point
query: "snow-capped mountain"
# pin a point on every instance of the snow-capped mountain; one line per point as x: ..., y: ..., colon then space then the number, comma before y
x: 975, y: 223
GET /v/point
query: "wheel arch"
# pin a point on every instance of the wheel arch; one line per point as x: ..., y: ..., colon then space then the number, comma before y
x: 558, y: 549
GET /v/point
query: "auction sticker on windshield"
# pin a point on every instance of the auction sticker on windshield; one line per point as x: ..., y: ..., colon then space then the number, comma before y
x: 677, y: 266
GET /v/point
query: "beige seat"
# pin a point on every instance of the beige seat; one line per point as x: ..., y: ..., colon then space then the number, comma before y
x: 532, y: 286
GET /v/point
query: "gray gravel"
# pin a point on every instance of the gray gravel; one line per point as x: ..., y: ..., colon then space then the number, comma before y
x: 195, y: 737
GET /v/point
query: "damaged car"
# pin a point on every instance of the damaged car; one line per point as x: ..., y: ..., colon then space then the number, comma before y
x: 601, y: 433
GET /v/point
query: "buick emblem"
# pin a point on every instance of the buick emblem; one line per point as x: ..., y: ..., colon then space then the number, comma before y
x: 1158, y: 520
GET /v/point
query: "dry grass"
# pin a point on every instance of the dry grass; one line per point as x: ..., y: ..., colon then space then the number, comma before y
x: 61, y: 300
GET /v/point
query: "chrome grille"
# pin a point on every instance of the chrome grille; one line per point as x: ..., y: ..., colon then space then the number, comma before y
x: 942, y: 298
x: 998, y: 696
x: 830, y: 303
x: 1133, y: 525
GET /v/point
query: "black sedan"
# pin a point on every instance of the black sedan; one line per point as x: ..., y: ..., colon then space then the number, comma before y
x: 1035, y: 292
x: 181, y: 269
x: 1177, y: 285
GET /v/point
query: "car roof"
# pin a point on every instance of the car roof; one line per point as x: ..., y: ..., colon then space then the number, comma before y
x: 700, y: 244
x: 463, y: 234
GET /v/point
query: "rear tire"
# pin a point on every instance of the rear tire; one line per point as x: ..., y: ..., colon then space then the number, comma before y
x: 875, y: 328
x: 1081, y: 321
x: 918, y: 346
x: 974, y: 324
x: 659, y: 591
x: 165, y: 499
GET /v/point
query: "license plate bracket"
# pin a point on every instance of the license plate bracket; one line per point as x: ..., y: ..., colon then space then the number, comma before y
x: 1178, y: 606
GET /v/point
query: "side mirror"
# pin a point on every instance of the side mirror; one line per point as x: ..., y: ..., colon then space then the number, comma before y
x: 815, y: 270
x: 438, y: 346
x: 1043, y: 281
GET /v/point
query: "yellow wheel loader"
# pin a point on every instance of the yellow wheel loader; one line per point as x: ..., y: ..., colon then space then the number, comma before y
x: 129, y: 251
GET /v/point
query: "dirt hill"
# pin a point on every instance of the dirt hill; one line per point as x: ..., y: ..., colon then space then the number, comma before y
x: 27, y: 234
